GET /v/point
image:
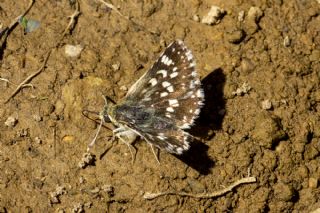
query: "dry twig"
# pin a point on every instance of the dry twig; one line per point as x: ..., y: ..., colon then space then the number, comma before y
x: 150, y: 196
x: 72, y: 21
x: 113, y: 8
x: 29, y: 78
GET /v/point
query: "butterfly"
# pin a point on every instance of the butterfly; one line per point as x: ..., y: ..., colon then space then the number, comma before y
x: 162, y: 104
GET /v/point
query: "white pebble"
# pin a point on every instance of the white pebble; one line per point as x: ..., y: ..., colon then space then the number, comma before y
x: 255, y: 13
x: 37, y: 140
x: 214, y: 16
x: 197, y: 18
x: 287, y: 41
x: 11, y: 121
x: 124, y: 88
x: 73, y: 50
x: 241, y: 16
x: 244, y: 89
x: 266, y: 104
x: 116, y: 66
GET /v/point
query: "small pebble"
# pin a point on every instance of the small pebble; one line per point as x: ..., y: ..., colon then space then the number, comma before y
x: 116, y: 66
x: 286, y: 41
x: 214, y: 16
x: 266, y: 104
x: 68, y: 138
x: 313, y: 183
x: 255, y: 13
x: 236, y: 36
x: 241, y: 16
x: 81, y: 180
x: 87, y: 159
x: 196, y: 18
x: 77, y: 208
x: 73, y: 50
x: 95, y: 190
x: 108, y: 189
x: 54, y: 196
x: 11, y: 121
x: 124, y: 88
x: 37, y: 140
x: 244, y: 89
x: 23, y: 133
x: 88, y: 205
x: 37, y: 118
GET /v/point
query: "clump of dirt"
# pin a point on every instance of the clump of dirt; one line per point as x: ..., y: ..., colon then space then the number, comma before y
x: 259, y: 66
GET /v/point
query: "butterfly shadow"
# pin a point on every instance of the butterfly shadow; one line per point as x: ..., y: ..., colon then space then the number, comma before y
x: 209, y: 120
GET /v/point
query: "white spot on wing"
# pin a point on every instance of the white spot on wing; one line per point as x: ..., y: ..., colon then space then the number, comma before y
x: 165, y: 84
x: 170, y: 88
x: 185, y: 126
x: 194, y: 74
x: 173, y: 101
x: 179, y: 150
x: 189, y: 55
x: 153, y: 81
x: 170, y: 109
x: 163, y: 72
x: 161, y: 137
x: 192, y: 85
x: 166, y: 60
x: 163, y: 94
x: 199, y: 93
x: 174, y: 74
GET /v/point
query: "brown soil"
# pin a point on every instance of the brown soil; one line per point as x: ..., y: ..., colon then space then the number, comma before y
x: 275, y: 52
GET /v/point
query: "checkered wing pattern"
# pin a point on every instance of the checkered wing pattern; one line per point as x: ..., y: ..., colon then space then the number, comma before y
x: 170, y: 93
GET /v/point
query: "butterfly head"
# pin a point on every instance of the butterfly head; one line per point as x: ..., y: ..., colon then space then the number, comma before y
x: 108, y: 112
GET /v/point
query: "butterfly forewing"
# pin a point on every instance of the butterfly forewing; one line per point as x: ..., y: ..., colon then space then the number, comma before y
x: 171, y: 93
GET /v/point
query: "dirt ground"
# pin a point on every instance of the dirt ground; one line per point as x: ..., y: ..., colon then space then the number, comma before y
x: 260, y: 70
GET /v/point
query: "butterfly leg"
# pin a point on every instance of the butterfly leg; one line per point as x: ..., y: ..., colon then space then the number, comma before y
x: 126, y: 136
x: 154, y: 153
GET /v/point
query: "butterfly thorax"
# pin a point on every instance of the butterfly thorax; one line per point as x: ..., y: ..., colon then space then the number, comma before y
x: 130, y: 115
